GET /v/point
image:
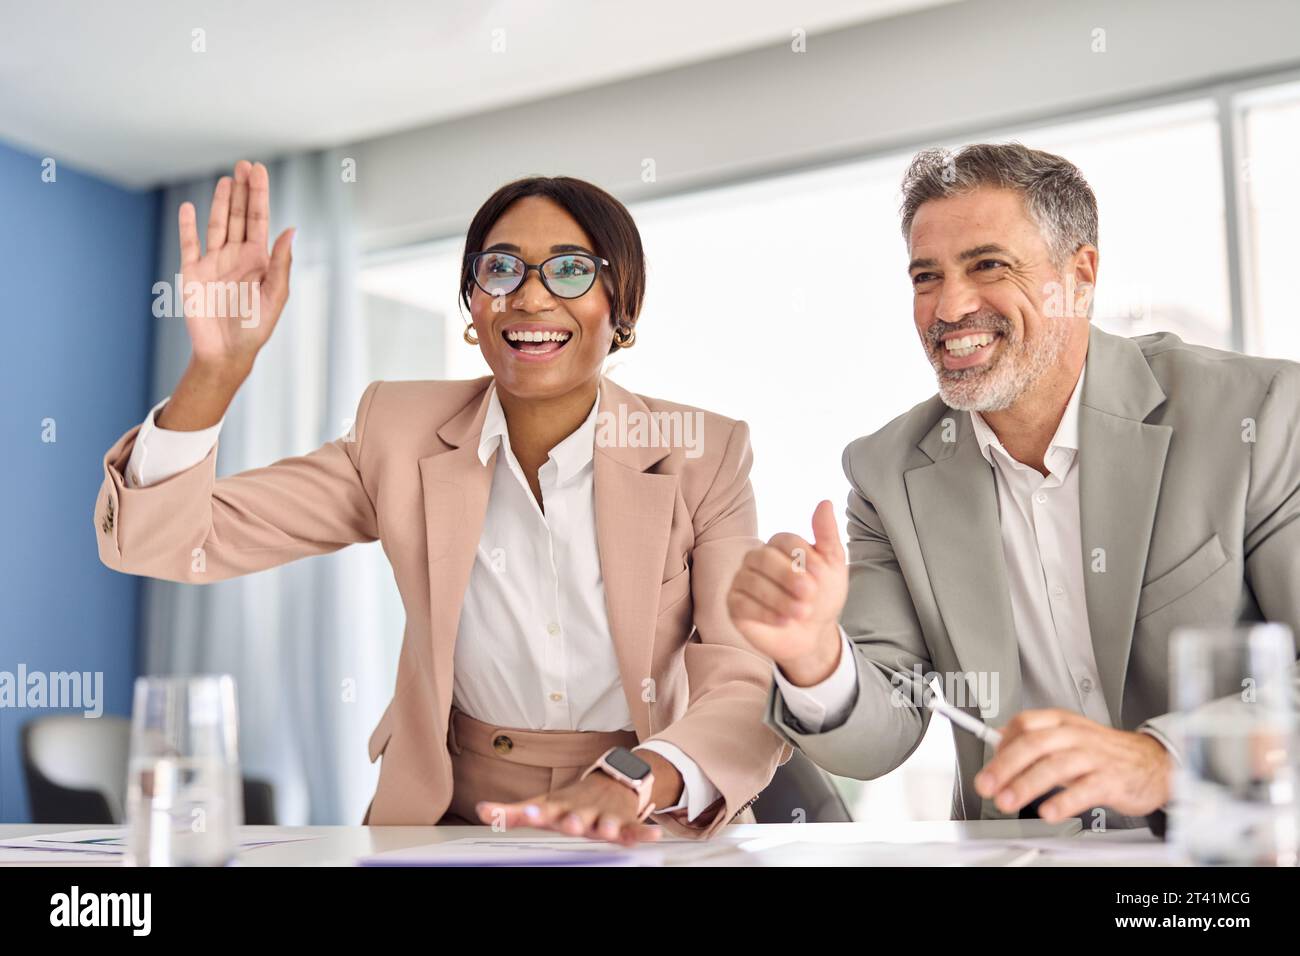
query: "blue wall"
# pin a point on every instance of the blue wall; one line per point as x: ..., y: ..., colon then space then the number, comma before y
x: 77, y: 260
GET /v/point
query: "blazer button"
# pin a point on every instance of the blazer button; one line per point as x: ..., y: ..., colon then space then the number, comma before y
x: 503, y: 744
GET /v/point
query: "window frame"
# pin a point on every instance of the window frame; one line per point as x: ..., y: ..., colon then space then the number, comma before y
x: 1230, y: 98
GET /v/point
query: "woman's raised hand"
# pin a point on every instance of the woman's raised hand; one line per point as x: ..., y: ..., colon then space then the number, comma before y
x: 234, y: 291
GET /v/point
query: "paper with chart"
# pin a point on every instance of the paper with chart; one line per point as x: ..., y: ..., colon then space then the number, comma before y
x: 105, y: 845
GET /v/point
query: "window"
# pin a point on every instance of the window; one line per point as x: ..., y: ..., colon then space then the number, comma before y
x: 1270, y: 126
x: 1158, y: 181
x: 409, y: 303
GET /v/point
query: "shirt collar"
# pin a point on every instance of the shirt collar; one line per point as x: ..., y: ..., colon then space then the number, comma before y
x: 1065, y: 439
x: 571, y: 455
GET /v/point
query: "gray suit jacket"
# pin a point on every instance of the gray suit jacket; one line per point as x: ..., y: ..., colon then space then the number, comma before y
x: 1196, y: 523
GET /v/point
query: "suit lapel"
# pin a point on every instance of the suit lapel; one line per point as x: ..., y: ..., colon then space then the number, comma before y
x: 456, y: 486
x: 954, y: 509
x: 634, y: 511
x: 1121, y: 464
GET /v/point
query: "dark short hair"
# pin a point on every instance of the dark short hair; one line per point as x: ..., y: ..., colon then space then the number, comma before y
x: 606, y: 220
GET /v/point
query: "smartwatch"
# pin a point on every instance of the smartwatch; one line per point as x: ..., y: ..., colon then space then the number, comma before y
x: 632, y: 772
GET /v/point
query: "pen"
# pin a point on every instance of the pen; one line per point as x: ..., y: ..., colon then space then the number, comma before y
x: 963, y: 720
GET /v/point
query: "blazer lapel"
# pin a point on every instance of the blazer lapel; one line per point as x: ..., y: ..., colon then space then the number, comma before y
x: 634, y: 511
x: 456, y: 486
x: 1121, y: 464
x: 954, y: 507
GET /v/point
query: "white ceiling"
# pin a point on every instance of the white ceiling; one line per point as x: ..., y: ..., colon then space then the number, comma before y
x: 115, y: 89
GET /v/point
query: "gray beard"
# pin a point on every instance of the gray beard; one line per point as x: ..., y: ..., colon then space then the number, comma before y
x: 1011, y: 375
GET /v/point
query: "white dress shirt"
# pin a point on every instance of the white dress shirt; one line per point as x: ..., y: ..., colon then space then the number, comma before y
x: 533, y: 648
x: 1042, y: 543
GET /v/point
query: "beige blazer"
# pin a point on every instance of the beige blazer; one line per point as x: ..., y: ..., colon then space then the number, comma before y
x: 671, y: 529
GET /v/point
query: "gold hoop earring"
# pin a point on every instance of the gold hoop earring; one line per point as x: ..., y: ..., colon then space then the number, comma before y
x: 471, y: 339
x: 624, y: 336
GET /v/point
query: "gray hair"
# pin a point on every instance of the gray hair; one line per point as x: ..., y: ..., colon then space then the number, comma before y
x: 1057, y: 197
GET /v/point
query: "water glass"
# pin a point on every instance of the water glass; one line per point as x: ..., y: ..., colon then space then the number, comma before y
x: 184, y: 790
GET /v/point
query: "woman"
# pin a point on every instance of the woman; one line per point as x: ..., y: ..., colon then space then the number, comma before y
x: 553, y: 565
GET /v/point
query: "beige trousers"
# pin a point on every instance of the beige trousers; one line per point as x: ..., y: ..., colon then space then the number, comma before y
x: 504, y: 764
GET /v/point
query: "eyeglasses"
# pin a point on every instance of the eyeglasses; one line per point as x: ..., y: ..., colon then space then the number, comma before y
x: 565, y: 276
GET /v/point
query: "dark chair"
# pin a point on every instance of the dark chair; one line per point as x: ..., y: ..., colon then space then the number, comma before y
x: 76, y: 770
x: 800, y: 792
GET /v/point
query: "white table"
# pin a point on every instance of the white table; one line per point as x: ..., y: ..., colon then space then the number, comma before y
x: 980, y: 843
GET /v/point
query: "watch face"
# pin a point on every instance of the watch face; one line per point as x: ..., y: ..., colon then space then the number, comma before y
x: 628, y: 763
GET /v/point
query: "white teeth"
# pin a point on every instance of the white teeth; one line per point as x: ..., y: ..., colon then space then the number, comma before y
x: 967, y: 344
x: 537, y: 336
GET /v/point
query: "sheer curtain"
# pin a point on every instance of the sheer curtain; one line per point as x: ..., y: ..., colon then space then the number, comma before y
x: 313, y: 668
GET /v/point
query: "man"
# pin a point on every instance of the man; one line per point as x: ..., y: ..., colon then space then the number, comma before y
x: 1035, y: 532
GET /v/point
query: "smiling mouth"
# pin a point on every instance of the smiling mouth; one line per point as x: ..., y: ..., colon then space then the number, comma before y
x: 961, y: 346
x: 536, y: 342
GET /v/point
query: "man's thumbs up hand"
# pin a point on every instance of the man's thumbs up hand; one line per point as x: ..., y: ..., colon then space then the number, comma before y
x: 787, y: 597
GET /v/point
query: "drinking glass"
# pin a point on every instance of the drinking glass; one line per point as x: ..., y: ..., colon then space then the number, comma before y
x: 1234, y: 799
x: 184, y: 789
